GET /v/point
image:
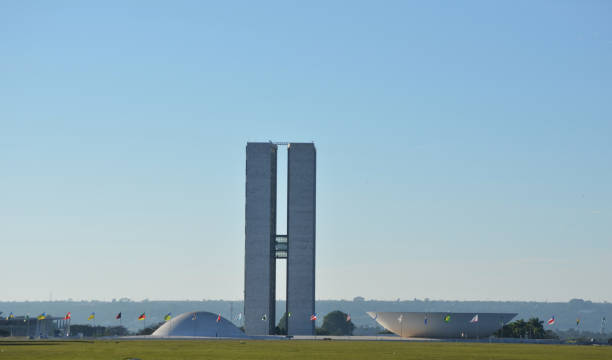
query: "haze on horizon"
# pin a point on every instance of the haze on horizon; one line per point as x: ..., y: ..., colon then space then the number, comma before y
x: 463, y: 149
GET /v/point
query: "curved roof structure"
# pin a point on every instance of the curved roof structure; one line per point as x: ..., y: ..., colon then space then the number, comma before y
x: 199, y: 324
x: 439, y: 325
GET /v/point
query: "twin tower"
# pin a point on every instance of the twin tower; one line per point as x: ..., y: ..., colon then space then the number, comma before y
x: 263, y: 245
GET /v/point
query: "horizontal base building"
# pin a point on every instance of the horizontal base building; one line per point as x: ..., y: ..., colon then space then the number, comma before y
x: 34, y: 328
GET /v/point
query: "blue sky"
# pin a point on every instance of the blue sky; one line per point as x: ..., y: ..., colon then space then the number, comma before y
x: 463, y: 148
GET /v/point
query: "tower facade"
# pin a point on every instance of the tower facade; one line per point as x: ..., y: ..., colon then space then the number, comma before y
x: 263, y: 245
x: 301, y: 205
x: 260, y: 237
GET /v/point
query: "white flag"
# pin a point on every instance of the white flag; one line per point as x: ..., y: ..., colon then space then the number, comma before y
x: 400, y: 318
x: 474, y: 319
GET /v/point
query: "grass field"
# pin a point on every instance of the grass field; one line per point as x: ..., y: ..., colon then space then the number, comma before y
x: 252, y: 349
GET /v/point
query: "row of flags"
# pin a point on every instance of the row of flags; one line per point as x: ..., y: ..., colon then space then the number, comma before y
x: 119, y: 316
x: 42, y: 316
x: 313, y: 317
x: 92, y: 316
x: 553, y: 320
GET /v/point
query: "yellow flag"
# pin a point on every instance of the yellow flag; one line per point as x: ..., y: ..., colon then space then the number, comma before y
x: 92, y: 316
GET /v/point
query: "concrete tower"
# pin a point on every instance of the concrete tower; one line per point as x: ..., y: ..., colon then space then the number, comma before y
x: 260, y: 237
x: 263, y: 246
x: 301, y: 206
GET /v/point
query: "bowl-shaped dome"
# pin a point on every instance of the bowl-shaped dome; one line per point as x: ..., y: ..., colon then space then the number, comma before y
x: 439, y: 325
x: 200, y: 324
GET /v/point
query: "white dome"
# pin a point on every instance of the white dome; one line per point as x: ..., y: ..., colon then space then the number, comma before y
x: 200, y: 324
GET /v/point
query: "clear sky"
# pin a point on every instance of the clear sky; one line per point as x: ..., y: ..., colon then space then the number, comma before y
x: 464, y: 148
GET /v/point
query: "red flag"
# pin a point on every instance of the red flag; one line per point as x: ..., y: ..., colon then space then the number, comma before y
x: 142, y: 316
x: 118, y: 316
x: 348, y: 317
x: 551, y: 321
x: 219, y: 318
x: 68, y: 316
x: 313, y: 317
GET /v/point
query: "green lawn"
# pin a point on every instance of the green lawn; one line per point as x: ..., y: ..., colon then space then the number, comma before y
x: 295, y: 349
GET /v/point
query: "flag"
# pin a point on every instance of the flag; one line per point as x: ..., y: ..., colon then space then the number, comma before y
x: 313, y: 317
x: 264, y: 317
x: 10, y: 316
x: 400, y: 318
x: 26, y: 318
x: 551, y: 321
x: 577, y: 321
x: 288, y: 314
x: 425, y: 320
x: 142, y: 316
x: 348, y: 317
x: 42, y: 316
x: 167, y: 317
x: 92, y: 316
x: 219, y: 318
x: 194, y: 316
x: 474, y: 319
x: 118, y: 316
x: 68, y: 316
x: 239, y: 316
x: 447, y: 318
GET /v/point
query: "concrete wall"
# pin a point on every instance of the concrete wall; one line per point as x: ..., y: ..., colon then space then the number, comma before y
x: 301, y: 205
x: 260, y: 233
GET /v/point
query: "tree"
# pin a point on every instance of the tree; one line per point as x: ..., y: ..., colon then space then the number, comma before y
x: 532, y: 329
x: 321, y: 331
x: 335, y: 324
x: 281, y: 328
x: 149, y: 329
x: 91, y: 331
x: 116, y: 331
